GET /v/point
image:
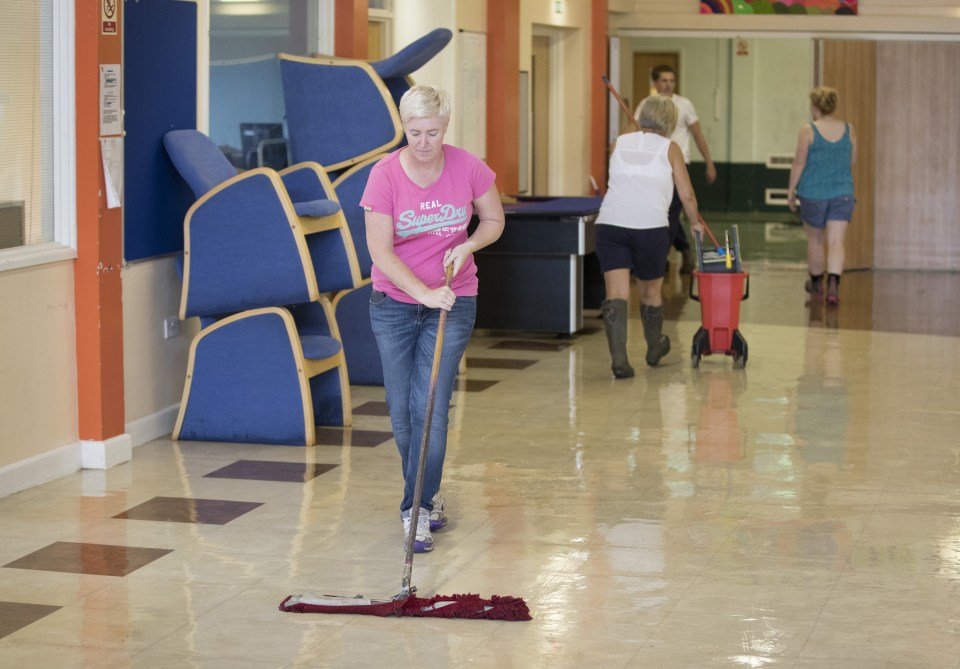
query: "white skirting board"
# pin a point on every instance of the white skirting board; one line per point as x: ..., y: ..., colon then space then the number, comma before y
x: 78, y: 455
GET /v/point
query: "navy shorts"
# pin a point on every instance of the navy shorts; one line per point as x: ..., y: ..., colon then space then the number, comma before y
x: 643, y: 252
x: 816, y: 213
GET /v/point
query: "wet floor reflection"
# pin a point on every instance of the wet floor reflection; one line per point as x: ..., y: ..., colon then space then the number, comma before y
x: 801, y: 512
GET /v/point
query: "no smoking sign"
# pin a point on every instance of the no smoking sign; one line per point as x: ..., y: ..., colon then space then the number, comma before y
x: 108, y: 17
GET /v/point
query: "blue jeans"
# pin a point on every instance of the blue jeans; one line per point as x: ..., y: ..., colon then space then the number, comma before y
x: 406, y: 336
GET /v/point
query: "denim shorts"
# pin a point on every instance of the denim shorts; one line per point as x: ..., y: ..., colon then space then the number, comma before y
x: 816, y: 213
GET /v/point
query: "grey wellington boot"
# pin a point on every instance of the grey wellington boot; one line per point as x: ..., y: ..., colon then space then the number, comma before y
x: 658, y: 344
x: 615, y: 325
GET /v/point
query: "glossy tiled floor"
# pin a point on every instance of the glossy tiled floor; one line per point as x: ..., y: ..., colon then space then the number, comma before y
x: 802, y: 512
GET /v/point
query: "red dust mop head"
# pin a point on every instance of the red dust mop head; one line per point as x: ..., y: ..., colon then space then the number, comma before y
x: 441, y: 606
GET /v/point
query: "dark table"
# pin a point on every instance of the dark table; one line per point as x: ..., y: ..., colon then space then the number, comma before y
x: 533, y: 277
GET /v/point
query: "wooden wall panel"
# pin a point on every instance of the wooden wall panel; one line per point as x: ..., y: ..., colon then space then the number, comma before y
x: 850, y: 66
x: 918, y: 157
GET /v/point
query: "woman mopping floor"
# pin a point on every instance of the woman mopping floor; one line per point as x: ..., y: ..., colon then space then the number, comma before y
x: 419, y: 201
x: 405, y: 603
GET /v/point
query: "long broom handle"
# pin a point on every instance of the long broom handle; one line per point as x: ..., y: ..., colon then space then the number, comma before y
x: 623, y: 105
x: 410, y: 539
x: 712, y: 238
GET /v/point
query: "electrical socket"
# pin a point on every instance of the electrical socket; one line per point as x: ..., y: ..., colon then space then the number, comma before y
x: 171, y: 327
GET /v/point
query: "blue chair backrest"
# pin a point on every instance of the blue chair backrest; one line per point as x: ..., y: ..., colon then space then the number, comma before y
x: 243, y: 252
x: 338, y: 112
x: 199, y: 161
x: 415, y: 55
x: 395, y: 69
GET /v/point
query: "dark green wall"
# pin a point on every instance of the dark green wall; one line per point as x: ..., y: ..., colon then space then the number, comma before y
x: 739, y: 187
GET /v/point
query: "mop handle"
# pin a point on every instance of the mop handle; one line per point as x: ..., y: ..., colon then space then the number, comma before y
x: 714, y: 239
x: 410, y: 539
x: 623, y: 105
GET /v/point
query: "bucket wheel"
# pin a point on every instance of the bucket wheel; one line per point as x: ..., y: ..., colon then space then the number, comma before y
x: 701, y: 347
x: 739, y: 348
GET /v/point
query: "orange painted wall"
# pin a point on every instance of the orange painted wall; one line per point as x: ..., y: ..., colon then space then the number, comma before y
x: 503, y: 92
x: 350, y: 18
x: 598, y: 93
x: 97, y: 286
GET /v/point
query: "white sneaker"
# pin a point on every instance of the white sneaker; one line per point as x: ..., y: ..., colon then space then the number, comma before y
x: 438, y: 518
x: 423, y: 541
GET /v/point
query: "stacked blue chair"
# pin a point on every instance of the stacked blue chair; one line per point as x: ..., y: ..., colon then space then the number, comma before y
x: 343, y: 114
x: 257, y: 247
x: 340, y: 114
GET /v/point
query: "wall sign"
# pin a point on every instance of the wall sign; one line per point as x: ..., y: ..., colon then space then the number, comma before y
x: 108, y: 17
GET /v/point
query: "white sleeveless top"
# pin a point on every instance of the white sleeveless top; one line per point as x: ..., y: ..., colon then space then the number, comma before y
x: 641, y: 183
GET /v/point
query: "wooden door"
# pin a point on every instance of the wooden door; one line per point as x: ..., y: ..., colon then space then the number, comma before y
x: 541, y: 115
x: 850, y: 66
x: 918, y: 161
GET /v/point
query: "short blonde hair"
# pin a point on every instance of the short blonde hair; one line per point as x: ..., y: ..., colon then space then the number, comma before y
x: 825, y: 99
x: 425, y: 102
x: 658, y: 113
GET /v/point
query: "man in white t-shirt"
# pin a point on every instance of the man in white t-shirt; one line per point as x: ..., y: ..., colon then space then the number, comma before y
x: 688, y: 125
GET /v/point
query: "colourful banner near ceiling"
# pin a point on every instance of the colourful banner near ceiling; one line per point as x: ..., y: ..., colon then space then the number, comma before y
x: 807, y: 7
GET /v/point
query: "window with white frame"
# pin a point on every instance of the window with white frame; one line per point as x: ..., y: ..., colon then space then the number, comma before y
x: 37, y: 198
x: 246, y: 111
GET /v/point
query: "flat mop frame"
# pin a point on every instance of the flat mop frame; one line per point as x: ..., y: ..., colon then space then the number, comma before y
x: 405, y: 603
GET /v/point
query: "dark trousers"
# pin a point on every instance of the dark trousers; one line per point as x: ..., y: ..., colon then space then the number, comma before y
x: 678, y: 238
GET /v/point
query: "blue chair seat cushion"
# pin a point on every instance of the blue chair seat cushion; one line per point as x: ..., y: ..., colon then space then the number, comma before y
x: 319, y: 347
x: 316, y: 208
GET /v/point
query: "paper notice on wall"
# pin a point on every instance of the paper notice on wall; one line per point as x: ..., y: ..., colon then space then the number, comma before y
x: 111, y: 149
x: 111, y: 120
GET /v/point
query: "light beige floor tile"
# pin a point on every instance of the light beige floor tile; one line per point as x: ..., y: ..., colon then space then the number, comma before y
x: 282, y: 641
x: 149, y: 659
x: 101, y: 629
x: 186, y: 599
x: 30, y: 586
x: 14, y: 653
x: 799, y: 513
x: 741, y: 634
x: 409, y: 644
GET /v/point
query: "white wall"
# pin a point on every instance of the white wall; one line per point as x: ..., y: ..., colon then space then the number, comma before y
x: 750, y: 104
x: 783, y: 71
x: 569, y: 31
x: 412, y: 20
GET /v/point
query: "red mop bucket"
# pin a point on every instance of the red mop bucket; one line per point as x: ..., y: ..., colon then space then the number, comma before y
x: 722, y: 286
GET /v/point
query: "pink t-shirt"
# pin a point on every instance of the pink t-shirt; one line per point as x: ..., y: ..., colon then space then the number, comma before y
x: 428, y: 221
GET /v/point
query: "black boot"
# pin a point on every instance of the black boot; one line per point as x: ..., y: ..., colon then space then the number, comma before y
x: 814, y: 286
x: 615, y: 325
x: 658, y: 344
x: 833, y: 289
